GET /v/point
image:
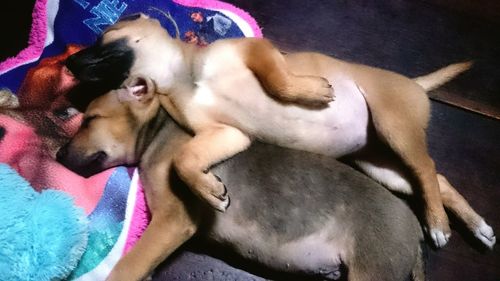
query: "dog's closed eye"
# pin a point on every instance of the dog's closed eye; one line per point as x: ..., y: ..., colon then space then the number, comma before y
x: 86, y: 120
x: 130, y: 17
x: 65, y: 113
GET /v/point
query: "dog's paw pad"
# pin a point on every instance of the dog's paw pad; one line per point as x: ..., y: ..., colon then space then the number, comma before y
x: 485, y: 234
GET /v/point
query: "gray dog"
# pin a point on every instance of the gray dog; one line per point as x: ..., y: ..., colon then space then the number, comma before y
x: 311, y: 216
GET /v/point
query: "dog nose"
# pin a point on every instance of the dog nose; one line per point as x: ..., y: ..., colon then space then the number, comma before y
x: 98, y: 157
x: 62, y: 153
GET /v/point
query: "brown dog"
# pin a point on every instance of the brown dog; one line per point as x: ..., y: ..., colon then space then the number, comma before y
x: 214, y: 92
x: 311, y: 216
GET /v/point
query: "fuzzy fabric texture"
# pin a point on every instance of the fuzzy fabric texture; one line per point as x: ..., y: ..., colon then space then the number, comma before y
x: 42, y: 236
x: 113, y: 200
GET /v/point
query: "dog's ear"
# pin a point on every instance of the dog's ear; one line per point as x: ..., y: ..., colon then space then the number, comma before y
x: 136, y: 89
x: 102, y: 63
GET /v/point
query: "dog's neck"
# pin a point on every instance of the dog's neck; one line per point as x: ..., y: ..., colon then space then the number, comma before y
x: 163, y: 127
x: 176, y: 61
x: 149, y: 130
x: 162, y: 134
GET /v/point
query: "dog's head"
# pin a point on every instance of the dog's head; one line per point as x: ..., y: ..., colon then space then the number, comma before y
x: 133, y: 46
x: 112, y: 127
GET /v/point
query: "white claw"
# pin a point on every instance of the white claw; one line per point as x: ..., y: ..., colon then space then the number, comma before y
x: 223, y: 205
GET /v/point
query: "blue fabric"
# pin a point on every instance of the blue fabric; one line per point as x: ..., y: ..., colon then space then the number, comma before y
x: 81, y: 22
x: 106, y: 221
x: 42, y: 235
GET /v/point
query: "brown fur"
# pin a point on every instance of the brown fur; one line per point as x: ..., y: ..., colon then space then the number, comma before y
x: 272, y: 72
x: 343, y: 220
x: 213, y: 91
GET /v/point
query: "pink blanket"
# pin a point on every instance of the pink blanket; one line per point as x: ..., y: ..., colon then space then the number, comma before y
x: 38, y: 119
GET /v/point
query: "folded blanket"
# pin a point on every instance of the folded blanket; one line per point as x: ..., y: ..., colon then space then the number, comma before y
x: 37, y: 119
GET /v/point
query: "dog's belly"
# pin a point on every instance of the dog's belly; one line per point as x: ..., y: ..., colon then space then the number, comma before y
x: 238, y: 100
x: 316, y: 253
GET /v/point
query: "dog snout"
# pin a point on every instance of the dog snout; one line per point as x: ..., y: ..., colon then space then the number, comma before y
x: 98, y: 158
x: 77, y: 162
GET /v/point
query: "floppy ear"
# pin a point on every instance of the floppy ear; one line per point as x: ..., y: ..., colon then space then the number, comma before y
x: 136, y: 89
x: 102, y: 63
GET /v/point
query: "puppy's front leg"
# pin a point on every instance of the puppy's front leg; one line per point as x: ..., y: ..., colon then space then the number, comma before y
x: 162, y: 237
x: 209, y: 147
x: 270, y: 67
x: 171, y: 225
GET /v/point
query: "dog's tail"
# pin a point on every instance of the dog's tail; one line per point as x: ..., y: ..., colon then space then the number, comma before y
x: 437, y: 78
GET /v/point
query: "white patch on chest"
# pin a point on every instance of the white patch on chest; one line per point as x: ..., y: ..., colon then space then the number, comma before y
x: 203, y: 95
x: 337, y: 130
x: 229, y: 93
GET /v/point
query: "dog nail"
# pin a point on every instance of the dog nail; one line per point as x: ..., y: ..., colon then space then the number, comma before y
x: 225, y: 191
x: 218, y: 179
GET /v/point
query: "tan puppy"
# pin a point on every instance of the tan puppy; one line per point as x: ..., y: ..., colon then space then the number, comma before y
x: 341, y: 223
x: 214, y: 92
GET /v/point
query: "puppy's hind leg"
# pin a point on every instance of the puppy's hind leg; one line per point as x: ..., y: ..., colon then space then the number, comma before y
x: 389, y: 173
x: 209, y: 147
x: 270, y: 67
x: 400, y: 121
x: 455, y: 202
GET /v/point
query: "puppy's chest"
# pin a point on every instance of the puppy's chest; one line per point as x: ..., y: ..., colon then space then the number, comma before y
x: 222, y: 94
x: 232, y: 95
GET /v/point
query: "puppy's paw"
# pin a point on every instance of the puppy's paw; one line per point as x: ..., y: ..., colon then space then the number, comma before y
x: 319, y: 90
x: 311, y: 91
x: 214, y: 192
x: 333, y: 273
x: 438, y: 227
x: 485, y: 234
x: 439, y: 237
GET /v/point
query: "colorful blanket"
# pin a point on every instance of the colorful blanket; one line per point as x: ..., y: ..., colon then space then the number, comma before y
x: 37, y: 119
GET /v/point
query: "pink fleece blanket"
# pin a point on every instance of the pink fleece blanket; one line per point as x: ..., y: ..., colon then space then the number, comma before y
x: 34, y: 126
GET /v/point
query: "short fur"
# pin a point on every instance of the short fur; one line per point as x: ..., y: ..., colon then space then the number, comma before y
x: 311, y: 216
x: 233, y: 91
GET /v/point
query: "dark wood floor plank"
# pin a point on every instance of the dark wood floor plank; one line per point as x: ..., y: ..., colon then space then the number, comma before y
x: 409, y: 37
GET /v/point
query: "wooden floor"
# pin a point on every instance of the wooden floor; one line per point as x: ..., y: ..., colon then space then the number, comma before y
x: 409, y: 37
x: 412, y: 38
